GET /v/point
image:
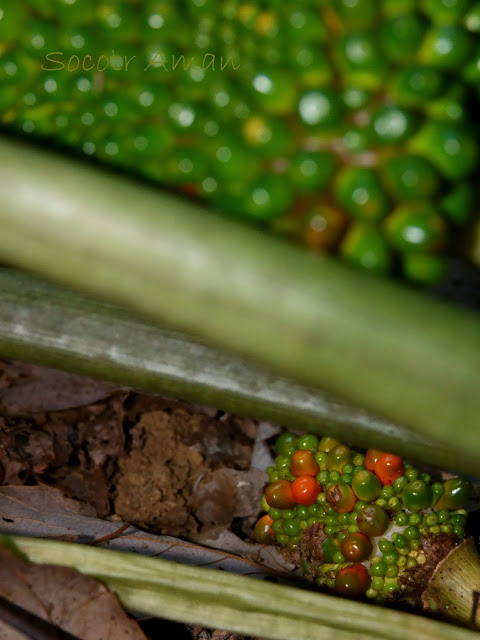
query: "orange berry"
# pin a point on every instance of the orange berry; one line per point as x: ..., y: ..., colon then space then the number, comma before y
x: 371, y: 458
x: 305, y: 490
x: 263, y: 532
x: 389, y: 467
x: 303, y: 463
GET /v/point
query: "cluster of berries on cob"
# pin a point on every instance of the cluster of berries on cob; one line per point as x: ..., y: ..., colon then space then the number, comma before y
x: 350, y: 126
x: 361, y: 524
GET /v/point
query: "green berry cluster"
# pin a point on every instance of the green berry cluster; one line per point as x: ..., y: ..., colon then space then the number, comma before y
x: 349, y: 126
x: 372, y: 511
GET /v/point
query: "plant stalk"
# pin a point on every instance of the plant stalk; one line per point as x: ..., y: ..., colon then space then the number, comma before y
x: 157, y: 587
x: 376, y: 344
x: 49, y: 325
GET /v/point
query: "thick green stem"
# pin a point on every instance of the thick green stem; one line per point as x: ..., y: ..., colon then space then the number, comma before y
x: 49, y: 325
x: 212, y: 598
x: 381, y: 346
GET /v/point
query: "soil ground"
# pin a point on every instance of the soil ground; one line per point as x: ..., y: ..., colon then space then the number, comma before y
x: 160, y: 464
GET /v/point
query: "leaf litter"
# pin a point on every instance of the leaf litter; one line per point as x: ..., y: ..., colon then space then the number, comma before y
x: 80, y: 458
x: 64, y: 598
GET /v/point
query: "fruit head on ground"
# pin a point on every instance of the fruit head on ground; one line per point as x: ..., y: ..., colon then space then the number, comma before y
x: 365, y: 525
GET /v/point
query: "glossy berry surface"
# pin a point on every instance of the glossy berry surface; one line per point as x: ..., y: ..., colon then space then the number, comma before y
x: 371, y: 458
x: 345, y: 126
x: 388, y: 468
x: 366, y: 485
x: 341, y: 497
x: 373, y: 521
x: 361, y: 521
x: 305, y: 490
x: 356, y: 547
x: 303, y: 463
x: 263, y: 532
x: 352, y: 581
x: 279, y: 495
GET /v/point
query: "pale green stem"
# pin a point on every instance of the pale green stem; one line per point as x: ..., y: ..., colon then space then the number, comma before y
x: 217, y: 599
x: 50, y: 325
x: 401, y: 355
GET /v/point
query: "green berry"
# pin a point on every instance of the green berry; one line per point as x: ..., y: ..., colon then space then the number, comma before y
x: 392, y: 125
x: 390, y: 558
x: 456, y: 495
x: 411, y: 533
x: 401, y: 519
x: 401, y: 37
x: 275, y: 514
x: 399, y: 484
x: 451, y: 150
x: 417, y: 495
x: 379, y: 569
x: 311, y: 171
x: 392, y: 571
x: 372, y: 520
x: 411, y: 177
x: 360, y: 192
x: 291, y: 527
x: 378, y: 583
x: 459, y: 519
x: 445, y: 47
x: 366, y: 486
x: 415, y: 227
x: 364, y: 246
x: 321, y: 458
x: 321, y: 109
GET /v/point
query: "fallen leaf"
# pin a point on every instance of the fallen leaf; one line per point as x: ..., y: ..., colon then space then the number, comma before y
x: 45, y: 512
x: 63, y: 597
x: 27, y: 388
x: 74, y: 449
x: 225, y: 494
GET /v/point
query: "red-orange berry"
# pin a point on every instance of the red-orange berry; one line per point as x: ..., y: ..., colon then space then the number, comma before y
x: 305, y: 490
x: 389, y: 467
x: 371, y: 458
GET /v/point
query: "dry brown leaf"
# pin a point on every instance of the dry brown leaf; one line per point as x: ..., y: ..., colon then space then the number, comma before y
x: 225, y: 494
x: 27, y: 388
x: 45, y: 512
x: 76, y: 603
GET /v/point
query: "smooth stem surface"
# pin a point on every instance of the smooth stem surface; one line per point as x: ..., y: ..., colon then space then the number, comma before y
x: 405, y: 357
x: 49, y: 325
x: 222, y: 600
